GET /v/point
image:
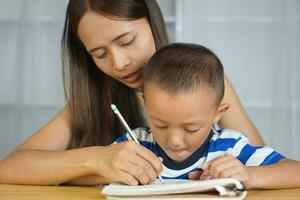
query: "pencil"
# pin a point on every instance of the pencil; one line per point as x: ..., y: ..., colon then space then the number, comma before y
x: 131, y: 133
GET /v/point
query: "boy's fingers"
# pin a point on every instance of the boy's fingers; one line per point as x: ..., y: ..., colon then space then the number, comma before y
x: 205, y: 178
x: 204, y: 174
x: 205, y: 166
x: 215, y: 161
x: 228, y: 172
x: 195, y: 175
x: 217, y: 169
x: 240, y: 176
x: 219, y: 160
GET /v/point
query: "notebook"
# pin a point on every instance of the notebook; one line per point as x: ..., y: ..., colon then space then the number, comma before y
x: 178, y: 189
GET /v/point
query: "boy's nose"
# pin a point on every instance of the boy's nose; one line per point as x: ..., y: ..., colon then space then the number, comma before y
x: 176, y: 141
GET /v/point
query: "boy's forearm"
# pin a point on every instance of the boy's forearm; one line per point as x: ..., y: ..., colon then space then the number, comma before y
x: 39, y: 167
x: 284, y: 174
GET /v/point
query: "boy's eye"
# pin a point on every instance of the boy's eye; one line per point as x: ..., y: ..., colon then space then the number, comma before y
x: 192, y: 130
x: 160, y: 127
x: 128, y: 43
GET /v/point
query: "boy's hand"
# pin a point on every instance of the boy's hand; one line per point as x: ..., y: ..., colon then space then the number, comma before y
x: 226, y: 167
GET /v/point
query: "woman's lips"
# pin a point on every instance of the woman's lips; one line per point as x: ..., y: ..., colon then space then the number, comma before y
x: 130, y: 78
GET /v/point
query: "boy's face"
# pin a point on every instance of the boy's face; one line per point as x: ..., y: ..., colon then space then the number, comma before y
x: 180, y: 123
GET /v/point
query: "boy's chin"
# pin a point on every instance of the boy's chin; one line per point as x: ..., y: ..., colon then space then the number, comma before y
x: 178, y: 158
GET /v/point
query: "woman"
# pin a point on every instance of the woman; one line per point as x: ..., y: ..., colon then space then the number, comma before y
x: 105, y: 46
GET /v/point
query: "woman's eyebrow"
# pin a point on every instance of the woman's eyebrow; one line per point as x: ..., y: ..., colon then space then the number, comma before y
x: 116, y: 38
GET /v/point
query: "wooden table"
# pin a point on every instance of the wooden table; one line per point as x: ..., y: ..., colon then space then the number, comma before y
x: 24, y: 192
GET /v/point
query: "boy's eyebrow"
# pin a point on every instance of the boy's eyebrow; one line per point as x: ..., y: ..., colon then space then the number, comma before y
x: 198, y: 122
x: 193, y: 123
x: 116, y: 38
x: 157, y: 119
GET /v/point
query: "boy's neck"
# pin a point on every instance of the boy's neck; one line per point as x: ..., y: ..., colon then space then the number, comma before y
x: 171, y: 164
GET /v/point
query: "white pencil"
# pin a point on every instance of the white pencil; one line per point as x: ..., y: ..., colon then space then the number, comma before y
x: 131, y: 133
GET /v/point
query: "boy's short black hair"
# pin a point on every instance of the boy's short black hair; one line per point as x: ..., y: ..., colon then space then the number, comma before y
x: 186, y: 67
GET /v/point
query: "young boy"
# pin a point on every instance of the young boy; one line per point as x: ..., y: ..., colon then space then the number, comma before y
x: 183, y: 91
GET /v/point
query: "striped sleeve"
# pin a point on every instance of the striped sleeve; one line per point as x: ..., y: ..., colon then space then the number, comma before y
x: 143, y: 135
x: 255, y: 155
x: 122, y: 138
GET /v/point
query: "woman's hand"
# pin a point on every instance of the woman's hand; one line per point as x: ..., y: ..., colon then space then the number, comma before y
x: 126, y: 162
x: 223, y: 167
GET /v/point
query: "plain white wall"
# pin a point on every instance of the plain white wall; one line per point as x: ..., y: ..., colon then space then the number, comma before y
x: 257, y: 41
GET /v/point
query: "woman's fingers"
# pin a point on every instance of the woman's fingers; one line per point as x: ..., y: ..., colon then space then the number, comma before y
x: 139, y: 173
x: 118, y: 173
x: 144, y: 167
x: 130, y: 159
x: 126, y: 178
x: 151, y: 158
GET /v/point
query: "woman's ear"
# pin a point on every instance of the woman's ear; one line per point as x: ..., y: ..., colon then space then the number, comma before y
x: 221, y: 111
x: 141, y: 97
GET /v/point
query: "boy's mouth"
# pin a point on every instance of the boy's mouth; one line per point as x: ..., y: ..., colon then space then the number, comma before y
x: 178, y: 154
x: 177, y: 150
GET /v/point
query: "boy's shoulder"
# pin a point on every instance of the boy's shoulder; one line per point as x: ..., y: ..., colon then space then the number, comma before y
x: 226, y: 141
x: 144, y: 134
x: 141, y: 133
x: 228, y: 134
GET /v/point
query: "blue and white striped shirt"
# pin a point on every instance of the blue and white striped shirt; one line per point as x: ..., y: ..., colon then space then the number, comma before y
x: 218, y: 143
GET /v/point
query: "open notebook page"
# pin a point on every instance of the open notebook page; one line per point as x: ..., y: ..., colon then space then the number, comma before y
x: 174, y: 187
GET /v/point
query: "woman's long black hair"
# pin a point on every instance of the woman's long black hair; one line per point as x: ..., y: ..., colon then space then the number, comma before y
x: 89, y: 92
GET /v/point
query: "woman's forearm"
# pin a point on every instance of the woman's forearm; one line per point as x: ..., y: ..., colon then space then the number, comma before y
x: 284, y: 174
x: 236, y: 117
x: 88, y: 180
x: 41, y: 167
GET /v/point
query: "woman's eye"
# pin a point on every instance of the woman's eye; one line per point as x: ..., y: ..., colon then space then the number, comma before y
x: 102, y: 56
x: 128, y: 43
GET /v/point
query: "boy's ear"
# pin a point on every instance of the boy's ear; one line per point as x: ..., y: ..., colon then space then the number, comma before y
x: 221, y: 111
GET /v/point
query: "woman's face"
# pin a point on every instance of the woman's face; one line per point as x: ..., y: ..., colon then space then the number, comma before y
x: 120, y: 49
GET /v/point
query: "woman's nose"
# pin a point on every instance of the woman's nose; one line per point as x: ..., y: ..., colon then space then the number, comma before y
x: 120, y: 60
